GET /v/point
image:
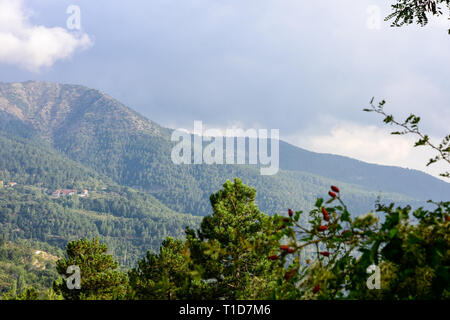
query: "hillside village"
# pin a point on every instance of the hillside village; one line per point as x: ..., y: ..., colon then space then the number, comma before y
x: 70, y: 192
x: 7, y: 184
x: 55, y: 194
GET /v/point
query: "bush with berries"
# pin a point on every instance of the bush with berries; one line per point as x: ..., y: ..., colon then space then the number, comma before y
x: 327, y: 254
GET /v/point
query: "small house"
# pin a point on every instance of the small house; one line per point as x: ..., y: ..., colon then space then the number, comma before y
x: 56, y: 193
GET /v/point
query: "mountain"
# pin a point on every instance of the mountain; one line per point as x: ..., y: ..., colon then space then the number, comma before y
x: 56, y: 136
x: 410, y: 182
x: 56, y: 110
x: 90, y: 127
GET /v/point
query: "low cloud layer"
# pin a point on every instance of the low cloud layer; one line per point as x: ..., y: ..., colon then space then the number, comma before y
x: 33, y: 46
x: 372, y: 144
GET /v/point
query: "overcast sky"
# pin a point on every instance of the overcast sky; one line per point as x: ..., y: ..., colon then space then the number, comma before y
x: 304, y: 67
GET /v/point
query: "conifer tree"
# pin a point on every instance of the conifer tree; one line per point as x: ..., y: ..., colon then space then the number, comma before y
x: 99, y: 277
x: 161, y: 276
x: 231, y: 247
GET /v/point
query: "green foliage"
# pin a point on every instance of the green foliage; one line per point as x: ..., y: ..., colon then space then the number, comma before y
x: 129, y: 222
x: 231, y: 247
x: 419, y: 11
x: 241, y: 253
x: 411, y: 126
x: 31, y: 293
x: 22, y: 266
x: 414, y: 258
x: 162, y: 276
x: 225, y: 259
x: 100, y: 279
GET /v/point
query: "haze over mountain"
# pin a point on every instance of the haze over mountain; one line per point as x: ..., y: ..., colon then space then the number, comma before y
x: 414, y: 183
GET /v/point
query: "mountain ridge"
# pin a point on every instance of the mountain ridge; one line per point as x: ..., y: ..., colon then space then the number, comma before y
x: 326, y: 164
x: 48, y: 107
x: 89, y: 140
x: 115, y: 141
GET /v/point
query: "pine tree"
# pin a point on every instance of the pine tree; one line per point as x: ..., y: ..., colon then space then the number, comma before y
x: 231, y: 247
x: 164, y: 276
x: 99, y: 276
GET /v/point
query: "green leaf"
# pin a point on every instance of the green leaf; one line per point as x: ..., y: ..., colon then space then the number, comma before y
x: 319, y: 203
x: 345, y: 216
x: 393, y: 233
x: 388, y: 119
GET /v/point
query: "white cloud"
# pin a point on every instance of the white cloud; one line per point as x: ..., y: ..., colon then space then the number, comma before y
x: 231, y: 129
x: 32, y: 46
x: 371, y: 144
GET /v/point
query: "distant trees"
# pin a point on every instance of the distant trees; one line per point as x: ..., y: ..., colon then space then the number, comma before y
x: 241, y: 253
x: 23, y: 273
x: 131, y: 222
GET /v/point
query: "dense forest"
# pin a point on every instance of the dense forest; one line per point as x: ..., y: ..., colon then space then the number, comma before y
x: 239, y: 252
x: 22, y: 266
x: 128, y: 220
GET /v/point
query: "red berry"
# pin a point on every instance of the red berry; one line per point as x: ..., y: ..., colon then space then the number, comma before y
x: 332, y: 194
x: 291, y: 213
x: 326, y: 216
x: 325, y: 253
x: 316, y: 289
x: 308, y: 261
x: 286, y: 220
x: 287, y: 249
x: 323, y: 228
x: 447, y: 218
x: 335, y: 189
x: 274, y: 257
